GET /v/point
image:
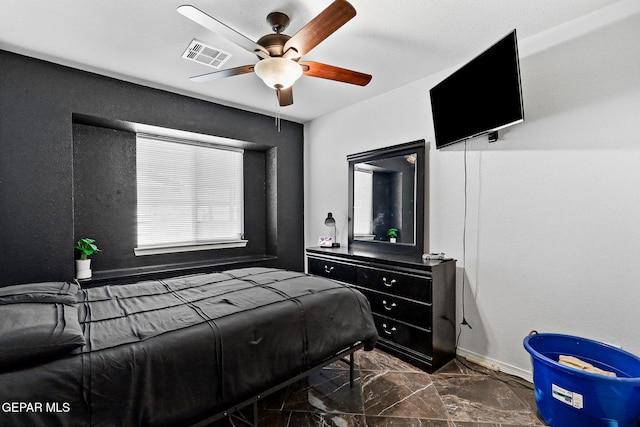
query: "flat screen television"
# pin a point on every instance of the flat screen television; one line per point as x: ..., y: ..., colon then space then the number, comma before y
x: 481, y: 97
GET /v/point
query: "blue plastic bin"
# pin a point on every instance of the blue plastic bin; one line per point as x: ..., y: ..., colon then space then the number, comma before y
x: 568, y: 397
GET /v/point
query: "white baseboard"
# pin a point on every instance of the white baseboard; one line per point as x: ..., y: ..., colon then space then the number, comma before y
x: 495, y: 365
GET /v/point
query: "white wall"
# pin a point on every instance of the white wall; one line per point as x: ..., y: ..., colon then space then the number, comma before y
x: 553, y: 214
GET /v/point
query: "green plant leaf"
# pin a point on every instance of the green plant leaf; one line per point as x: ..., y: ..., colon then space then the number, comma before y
x: 86, y: 247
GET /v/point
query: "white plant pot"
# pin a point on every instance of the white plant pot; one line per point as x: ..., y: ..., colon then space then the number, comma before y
x: 392, y: 239
x: 83, y: 269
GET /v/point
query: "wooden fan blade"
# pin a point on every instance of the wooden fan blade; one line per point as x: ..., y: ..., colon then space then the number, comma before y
x: 222, y: 74
x: 212, y: 24
x: 285, y: 96
x: 324, y: 71
x: 319, y: 28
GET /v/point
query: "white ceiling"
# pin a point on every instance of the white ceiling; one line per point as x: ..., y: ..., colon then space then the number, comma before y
x: 397, y: 42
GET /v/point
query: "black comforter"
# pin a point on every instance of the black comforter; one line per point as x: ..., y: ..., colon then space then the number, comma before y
x: 173, y: 351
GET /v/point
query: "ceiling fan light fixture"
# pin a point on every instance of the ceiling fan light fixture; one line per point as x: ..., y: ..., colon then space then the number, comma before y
x: 278, y: 73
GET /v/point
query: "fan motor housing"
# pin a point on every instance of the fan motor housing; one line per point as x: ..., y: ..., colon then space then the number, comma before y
x: 274, y: 43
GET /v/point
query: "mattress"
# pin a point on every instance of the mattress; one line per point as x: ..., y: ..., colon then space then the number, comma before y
x: 174, y: 351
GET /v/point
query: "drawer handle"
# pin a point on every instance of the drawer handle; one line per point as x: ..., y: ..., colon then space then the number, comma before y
x: 388, y: 306
x: 328, y: 269
x: 388, y: 284
x: 386, y: 329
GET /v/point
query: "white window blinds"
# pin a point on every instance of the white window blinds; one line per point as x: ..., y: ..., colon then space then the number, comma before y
x: 190, y: 196
x: 362, y: 203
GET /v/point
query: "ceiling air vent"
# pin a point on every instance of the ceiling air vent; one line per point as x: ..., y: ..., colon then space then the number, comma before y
x: 206, y: 55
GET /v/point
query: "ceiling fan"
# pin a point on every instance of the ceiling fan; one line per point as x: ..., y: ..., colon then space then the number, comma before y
x: 279, y: 64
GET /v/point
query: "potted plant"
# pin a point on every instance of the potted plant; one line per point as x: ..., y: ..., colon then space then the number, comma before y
x: 392, y: 233
x: 85, y: 248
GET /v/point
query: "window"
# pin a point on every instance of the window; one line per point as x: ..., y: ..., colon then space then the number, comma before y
x: 190, y: 196
x: 363, y: 203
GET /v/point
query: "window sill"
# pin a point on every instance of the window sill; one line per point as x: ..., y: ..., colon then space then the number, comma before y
x: 132, y: 275
x: 155, y: 250
x: 364, y: 236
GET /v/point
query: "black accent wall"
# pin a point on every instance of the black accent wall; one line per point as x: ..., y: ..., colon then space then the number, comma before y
x: 46, y: 198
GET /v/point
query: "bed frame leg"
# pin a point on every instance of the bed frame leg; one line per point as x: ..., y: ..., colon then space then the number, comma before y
x: 256, y: 420
x: 351, y: 369
x: 352, y: 365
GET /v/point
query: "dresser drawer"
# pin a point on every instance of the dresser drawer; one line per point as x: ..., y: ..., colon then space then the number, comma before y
x: 401, y: 284
x: 403, y: 335
x: 399, y: 308
x: 333, y: 270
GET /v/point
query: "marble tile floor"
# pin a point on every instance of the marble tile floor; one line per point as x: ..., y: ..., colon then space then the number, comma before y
x: 391, y: 393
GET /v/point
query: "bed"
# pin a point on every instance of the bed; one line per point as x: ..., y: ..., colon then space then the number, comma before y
x: 168, y: 352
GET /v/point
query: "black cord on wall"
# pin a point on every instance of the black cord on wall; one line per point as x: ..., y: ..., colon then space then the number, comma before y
x: 464, y: 249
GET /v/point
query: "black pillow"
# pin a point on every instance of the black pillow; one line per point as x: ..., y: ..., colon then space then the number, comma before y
x: 39, y: 322
x: 56, y: 292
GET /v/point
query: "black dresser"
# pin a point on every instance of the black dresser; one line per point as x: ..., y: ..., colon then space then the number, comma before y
x: 413, y: 301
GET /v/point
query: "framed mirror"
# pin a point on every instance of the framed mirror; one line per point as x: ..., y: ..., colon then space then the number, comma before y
x: 386, y: 199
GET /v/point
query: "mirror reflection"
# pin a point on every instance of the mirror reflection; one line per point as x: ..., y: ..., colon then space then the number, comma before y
x: 384, y: 199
